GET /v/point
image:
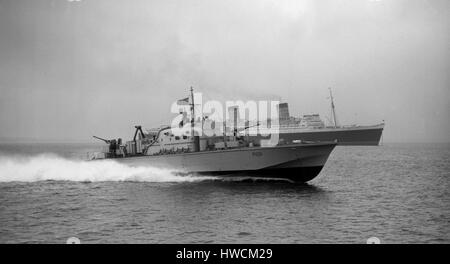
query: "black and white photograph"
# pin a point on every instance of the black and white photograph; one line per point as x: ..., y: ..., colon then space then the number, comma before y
x: 247, y: 123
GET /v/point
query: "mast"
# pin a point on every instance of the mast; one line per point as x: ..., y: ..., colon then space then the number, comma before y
x: 333, y: 111
x: 192, y: 112
x: 196, y: 138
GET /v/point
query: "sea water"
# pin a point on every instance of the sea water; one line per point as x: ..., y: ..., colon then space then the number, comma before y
x: 399, y: 193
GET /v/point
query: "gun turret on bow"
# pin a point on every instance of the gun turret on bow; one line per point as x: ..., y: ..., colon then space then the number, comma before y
x: 113, y: 145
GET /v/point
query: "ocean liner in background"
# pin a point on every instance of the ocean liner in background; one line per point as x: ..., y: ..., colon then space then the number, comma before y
x: 312, y: 128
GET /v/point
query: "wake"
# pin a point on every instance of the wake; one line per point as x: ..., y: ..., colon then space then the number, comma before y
x: 46, y: 167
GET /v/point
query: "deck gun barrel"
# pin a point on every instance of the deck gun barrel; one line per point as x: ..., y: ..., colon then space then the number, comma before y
x: 102, y: 139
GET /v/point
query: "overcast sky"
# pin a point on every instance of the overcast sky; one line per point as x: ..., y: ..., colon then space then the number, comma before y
x: 69, y: 70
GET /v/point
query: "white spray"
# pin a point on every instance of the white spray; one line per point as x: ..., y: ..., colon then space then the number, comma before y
x: 51, y: 167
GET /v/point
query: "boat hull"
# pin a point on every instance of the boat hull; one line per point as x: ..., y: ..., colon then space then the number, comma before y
x: 297, y: 174
x: 296, y: 162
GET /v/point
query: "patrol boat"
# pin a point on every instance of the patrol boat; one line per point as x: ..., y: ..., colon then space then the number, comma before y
x: 228, y: 155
